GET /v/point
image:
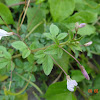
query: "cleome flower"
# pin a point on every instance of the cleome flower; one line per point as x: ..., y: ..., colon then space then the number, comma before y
x: 71, y: 83
x: 4, y: 33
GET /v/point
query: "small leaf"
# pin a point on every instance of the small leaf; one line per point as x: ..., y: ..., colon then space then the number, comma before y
x: 22, y: 47
x: 47, y: 65
x: 26, y: 53
x: 61, y: 36
x: 19, y: 45
x: 3, y: 62
x: 39, y: 54
x: 59, y: 52
x: 48, y: 35
x: 51, y: 50
x: 4, y: 77
x: 31, y: 58
x: 54, y: 30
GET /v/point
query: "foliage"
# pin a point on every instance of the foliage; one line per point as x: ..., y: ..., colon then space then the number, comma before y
x: 46, y: 41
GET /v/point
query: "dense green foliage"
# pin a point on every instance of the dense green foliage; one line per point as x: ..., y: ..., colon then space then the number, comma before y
x: 32, y: 55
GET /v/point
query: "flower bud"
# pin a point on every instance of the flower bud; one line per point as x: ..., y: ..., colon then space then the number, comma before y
x: 84, y: 73
x: 76, y: 26
x: 88, y: 44
x: 82, y: 25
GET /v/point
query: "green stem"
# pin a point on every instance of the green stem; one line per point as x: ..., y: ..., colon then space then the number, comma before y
x: 35, y: 50
x: 32, y: 30
x: 34, y: 85
x: 10, y: 93
x: 37, y: 97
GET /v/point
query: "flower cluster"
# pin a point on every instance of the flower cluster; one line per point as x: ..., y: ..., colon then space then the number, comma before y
x: 71, y: 83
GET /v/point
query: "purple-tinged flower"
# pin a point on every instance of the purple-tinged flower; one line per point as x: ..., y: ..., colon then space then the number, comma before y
x: 88, y: 44
x: 4, y: 33
x: 71, y: 83
x: 82, y: 25
x: 84, y: 73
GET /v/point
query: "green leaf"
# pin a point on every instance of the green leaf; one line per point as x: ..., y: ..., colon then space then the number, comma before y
x: 96, y: 96
x: 63, y: 61
x: 5, y: 14
x: 54, y: 30
x: 10, y: 66
x: 47, y: 64
x: 19, y: 63
x: 58, y: 91
x: 4, y: 53
x: 22, y: 47
x: 61, y: 36
x: 31, y: 15
x: 19, y: 45
x: 48, y: 35
x: 87, y: 30
x: 61, y: 9
x: 31, y: 58
x: 3, y: 62
x: 22, y: 97
x: 39, y: 1
x: 11, y: 2
x: 82, y: 17
x: 59, y: 52
x: 77, y: 75
x: 39, y: 54
x: 4, y: 77
x: 51, y: 50
x: 26, y: 53
x: 97, y: 82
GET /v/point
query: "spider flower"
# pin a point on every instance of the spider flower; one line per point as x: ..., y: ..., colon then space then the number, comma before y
x: 71, y: 84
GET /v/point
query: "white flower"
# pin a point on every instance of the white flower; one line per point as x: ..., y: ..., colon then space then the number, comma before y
x: 88, y: 44
x: 4, y: 33
x: 71, y: 84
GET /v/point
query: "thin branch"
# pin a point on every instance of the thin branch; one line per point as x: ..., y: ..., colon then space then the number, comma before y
x: 33, y: 30
x: 58, y: 65
x: 57, y: 78
x: 20, y: 3
x: 71, y: 56
x: 24, y: 14
x: 34, y: 16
